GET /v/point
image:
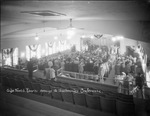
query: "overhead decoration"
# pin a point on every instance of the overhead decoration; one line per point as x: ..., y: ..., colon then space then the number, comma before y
x: 9, y: 56
x: 98, y: 36
x: 6, y: 52
x: 50, y: 44
x: 50, y: 48
x: 33, y: 47
x: 97, y: 40
x: 62, y: 42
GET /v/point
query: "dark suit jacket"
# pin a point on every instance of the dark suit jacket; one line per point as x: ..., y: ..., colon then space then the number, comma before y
x: 30, y: 66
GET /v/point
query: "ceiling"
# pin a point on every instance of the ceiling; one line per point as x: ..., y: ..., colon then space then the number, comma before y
x: 16, y: 21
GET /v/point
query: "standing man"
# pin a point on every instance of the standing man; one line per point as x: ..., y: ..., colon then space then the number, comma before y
x: 139, y: 79
x: 101, y: 73
x: 126, y: 85
x: 30, y: 68
x: 81, y: 67
x: 49, y: 72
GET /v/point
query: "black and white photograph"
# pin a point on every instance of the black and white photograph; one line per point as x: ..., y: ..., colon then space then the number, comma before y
x: 75, y: 58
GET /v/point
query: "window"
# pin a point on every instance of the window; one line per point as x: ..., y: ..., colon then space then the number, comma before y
x: 15, y: 57
x: 49, y: 48
x: 33, y: 51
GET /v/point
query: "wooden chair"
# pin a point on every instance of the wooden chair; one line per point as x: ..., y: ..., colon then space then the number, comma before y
x: 98, y: 94
x: 56, y: 94
x: 79, y: 99
x: 36, y: 88
x: 20, y: 84
x: 46, y: 90
x: 125, y: 108
x: 5, y: 83
x: 123, y: 96
x: 93, y: 101
x: 67, y: 97
x: 108, y: 105
x: 28, y: 85
x: 13, y: 83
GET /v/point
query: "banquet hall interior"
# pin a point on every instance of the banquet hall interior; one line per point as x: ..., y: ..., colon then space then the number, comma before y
x: 75, y: 58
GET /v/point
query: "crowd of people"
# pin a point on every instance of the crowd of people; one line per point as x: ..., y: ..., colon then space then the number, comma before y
x: 96, y: 62
x: 128, y: 69
x: 129, y: 72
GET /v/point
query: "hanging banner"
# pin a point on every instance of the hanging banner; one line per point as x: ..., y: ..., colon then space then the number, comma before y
x: 33, y: 51
x: 98, y: 36
x: 50, y: 44
x: 8, y: 56
x: 33, y: 47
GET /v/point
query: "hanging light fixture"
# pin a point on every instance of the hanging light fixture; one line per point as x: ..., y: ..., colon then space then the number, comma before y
x: 56, y: 37
x: 83, y: 36
x: 70, y: 32
x: 92, y: 37
x: 36, y: 37
x: 114, y: 39
x: 120, y: 37
x: 22, y: 54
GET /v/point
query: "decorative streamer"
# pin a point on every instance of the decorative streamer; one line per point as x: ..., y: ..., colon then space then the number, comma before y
x: 6, y: 52
x: 50, y: 44
x: 62, y: 42
x: 98, y: 36
x: 12, y: 51
x: 8, y: 56
x: 33, y: 47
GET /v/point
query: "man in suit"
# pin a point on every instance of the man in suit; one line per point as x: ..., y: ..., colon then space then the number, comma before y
x: 30, y: 68
x: 126, y: 85
x: 139, y: 79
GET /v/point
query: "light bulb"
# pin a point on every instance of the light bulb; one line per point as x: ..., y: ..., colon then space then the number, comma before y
x: 55, y: 37
x: 92, y: 37
x: 119, y: 37
x: 70, y: 32
x: 22, y: 54
x: 83, y: 36
x: 113, y: 38
x: 36, y: 38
